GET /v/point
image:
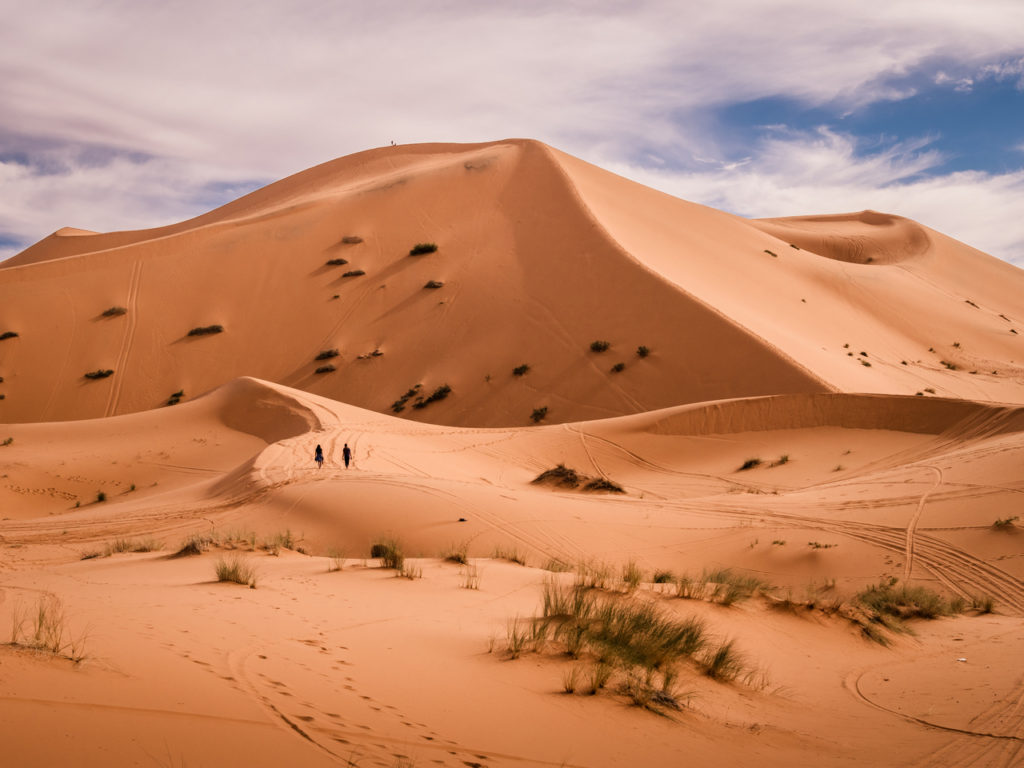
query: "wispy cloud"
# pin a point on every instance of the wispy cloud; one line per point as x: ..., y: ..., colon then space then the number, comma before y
x: 173, y: 98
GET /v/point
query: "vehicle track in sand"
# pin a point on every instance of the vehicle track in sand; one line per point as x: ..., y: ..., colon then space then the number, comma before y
x: 120, y: 367
x: 908, y: 563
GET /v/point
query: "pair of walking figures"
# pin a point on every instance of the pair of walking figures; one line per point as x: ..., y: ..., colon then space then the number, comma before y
x: 318, y: 457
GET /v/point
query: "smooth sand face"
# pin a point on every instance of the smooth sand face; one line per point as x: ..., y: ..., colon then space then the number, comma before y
x: 333, y: 660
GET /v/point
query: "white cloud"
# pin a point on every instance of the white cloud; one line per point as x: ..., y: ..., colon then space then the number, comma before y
x: 822, y: 172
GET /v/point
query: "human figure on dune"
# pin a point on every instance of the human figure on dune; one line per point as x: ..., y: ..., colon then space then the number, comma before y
x: 346, y: 453
x: 318, y: 457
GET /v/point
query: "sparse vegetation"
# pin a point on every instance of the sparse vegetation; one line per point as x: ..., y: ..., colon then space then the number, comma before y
x: 195, y: 544
x: 599, y: 346
x: 819, y: 545
x: 99, y: 374
x: 337, y: 262
x: 8, y: 335
x: 389, y: 551
x: 512, y: 554
x: 433, y: 284
x: 325, y: 368
x: 771, y: 253
x: 783, y: 459
x: 7, y: 441
x: 327, y: 354
x: 438, y: 394
x: 723, y: 663
x: 539, y: 414
x: 100, y: 497
x: 280, y: 540
x: 399, y: 405
x: 351, y: 239
x: 114, y: 312
x: 457, y: 553
x: 561, y: 475
x: 407, y: 570
x: 236, y: 569
x: 176, y: 397
x: 663, y: 577
x: 470, y: 577
x: 632, y: 575
x: 421, y: 248
x: 206, y: 330
x: 337, y: 560
x: 891, y: 603
x: 354, y: 273
x: 618, y: 368
x: 603, y: 485
x: 642, y: 351
x: 45, y: 629
x: 520, y: 370
x: 949, y: 365
x: 749, y: 464
x: 1002, y: 524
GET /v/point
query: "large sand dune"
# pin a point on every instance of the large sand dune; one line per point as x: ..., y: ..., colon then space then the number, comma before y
x: 852, y: 479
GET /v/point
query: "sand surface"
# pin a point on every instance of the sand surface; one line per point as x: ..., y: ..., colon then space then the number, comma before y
x: 791, y: 356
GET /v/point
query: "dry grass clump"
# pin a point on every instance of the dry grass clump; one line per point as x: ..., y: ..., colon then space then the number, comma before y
x: 101, y: 373
x: 561, y: 475
x: 889, y: 604
x: 8, y: 335
x: 121, y: 546
x: 195, y: 544
x: 206, y: 330
x: 603, y: 485
x: 389, y: 552
x: 512, y: 554
x: 749, y: 464
x: 457, y: 553
x: 337, y: 262
x: 354, y: 273
x: 422, y: 248
x: 1005, y: 523
x: 599, y: 346
x: 327, y: 354
x: 433, y: 284
x: 521, y: 370
x: 470, y: 577
x: 236, y: 569
x: 337, y: 562
x: 280, y: 540
x: 45, y: 629
x: 114, y: 311
x: 438, y: 394
x: 719, y: 585
x: 539, y: 414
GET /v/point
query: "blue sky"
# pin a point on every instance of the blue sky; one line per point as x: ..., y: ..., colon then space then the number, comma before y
x: 116, y: 114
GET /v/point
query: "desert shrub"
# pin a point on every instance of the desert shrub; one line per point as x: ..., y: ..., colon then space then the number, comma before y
x: 327, y: 354
x: 819, y: 545
x: 176, y: 397
x: 114, y: 312
x: 632, y: 575
x: 618, y: 368
x: 351, y: 239
x: 389, y: 551
x: 432, y: 284
x: 195, y: 544
x: 409, y: 571
x: 599, y: 346
x: 206, y: 330
x: 421, y: 248
x: 337, y: 558
x: 99, y: 374
x: 236, y: 569
x: 512, y: 554
x: 470, y: 577
x: 354, y: 273
x: 603, y: 485
x: 771, y: 253
x: 520, y: 370
x: 560, y: 475
x: 7, y: 441
x: 557, y: 566
x: 101, y: 496
x: 399, y: 405
x: 325, y: 369
x: 1002, y: 524
x: 890, y: 599
x: 45, y: 629
x: 983, y: 603
x: 642, y: 351
x: 8, y: 335
x: 280, y: 540
x: 539, y: 414
x: 722, y: 663
x: 438, y: 394
x: 750, y: 464
x: 662, y: 577
x: 949, y: 365
x: 457, y: 553
x: 728, y: 587
x: 337, y: 262
x: 783, y: 459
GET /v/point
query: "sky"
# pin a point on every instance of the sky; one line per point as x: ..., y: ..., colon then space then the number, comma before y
x: 121, y: 114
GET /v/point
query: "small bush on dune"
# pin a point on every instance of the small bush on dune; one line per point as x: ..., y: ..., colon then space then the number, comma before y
x: 206, y: 330
x: 422, y: 248
x: 8, y: 335
x: 890, y: 599
x: 750, y: 464
x: 438, y: 394
x: 176, y: 397
x: 1002, y: 524
x: 722, y: 663
x: 237, y: 570
x: 599, y: 346
x: 457, y: 553
x: 325, y: 369
x: 99, y: 374
x: 618, y: 368
x: 45, y: 629
x: 354, y: 273
x: 632, y: 575
x: 539, y: 414
x: 512, y: 554
x: 280, y: 540
x: 195, y: 544
x: 560, y: 475
x: 470, y: 577
x: 433, y: 284
x: 337, y: 262
x: 520, y: 370
x: 327, y: 354
x: 389, y: 551
x: 351, y: 239
x: 7, y: 441
x: 115, y: 311
x: 603, y: 485
x: 642, y: 351
x: 662, y: 577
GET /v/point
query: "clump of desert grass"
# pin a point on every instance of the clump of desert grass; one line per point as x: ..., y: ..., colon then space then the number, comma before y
x: 470, y: 577
x: 626, y: 639
x: 236, y: 569
x: 45, y: 628
x: 889, y: 605
x: 124, y: 545
x: 336, y: 560
x: 510, y: 553
x: 562, y: 476
x: 456, y: 553
x: 389, y: 552
x: 719, y: 585
x: 1005, y: 523
x: 195, y: 544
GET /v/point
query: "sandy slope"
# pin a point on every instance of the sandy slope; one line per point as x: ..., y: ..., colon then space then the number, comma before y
x: 539, y: 255
x: 316, y: 667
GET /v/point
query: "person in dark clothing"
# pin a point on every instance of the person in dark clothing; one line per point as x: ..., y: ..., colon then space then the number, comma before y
x: 318, y: 457
x: 346, y: 453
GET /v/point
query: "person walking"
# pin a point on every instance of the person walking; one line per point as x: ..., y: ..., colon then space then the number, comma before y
x: 346, y: 454
x: 318, y: 457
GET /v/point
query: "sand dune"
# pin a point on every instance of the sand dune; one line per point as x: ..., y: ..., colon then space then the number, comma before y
x: 820, y: 418
x: 516, y: 222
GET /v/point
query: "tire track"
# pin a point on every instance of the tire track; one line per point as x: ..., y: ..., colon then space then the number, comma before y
x: 908, y: 564
x: 126, y: 341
